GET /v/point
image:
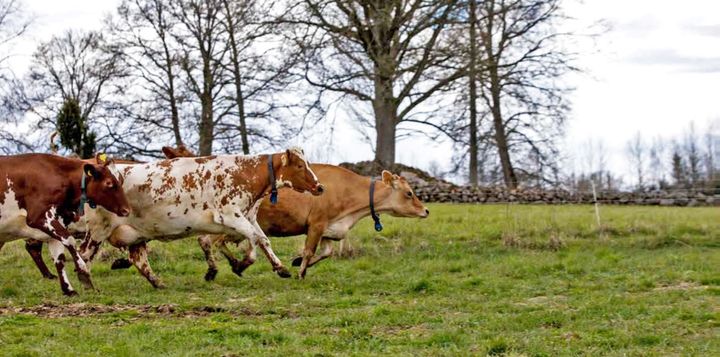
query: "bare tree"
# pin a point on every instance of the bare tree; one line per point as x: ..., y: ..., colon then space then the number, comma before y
x: 75, y: 65
x: 13, y: 23
x: 656, y: 155
x: 637, y: 158
x: 522, y: 59
x: 143, y: 29
x: 202, y: 40
x: 261, y: 85
x: 383, y: 53
x: 693, y: 155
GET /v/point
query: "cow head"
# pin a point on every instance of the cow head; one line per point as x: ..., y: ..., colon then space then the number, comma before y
x: 295, y: 172
x: 180, y: 151
x: 402, y: 201
x: 103, y: 187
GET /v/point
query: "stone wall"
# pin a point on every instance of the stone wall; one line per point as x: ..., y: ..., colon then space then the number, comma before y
x: 430, y: 189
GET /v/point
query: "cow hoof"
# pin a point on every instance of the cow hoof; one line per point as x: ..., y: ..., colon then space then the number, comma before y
x: 70, y: 293
x: 283, y: 272
x: 210, y: 275
x: 120, y: 263
x: 50, y: 277
x: 297, y: 261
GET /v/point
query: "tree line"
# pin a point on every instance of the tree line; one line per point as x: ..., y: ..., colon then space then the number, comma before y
x: 243, y: 75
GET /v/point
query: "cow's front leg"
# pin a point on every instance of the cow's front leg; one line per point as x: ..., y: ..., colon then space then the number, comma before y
x: 327, y: 250
x: 57, y: 251
x: 314, y: 235
x: 34, y: 248
x: 52, y: 226
x: 257, y: 238
x: 138, y: 256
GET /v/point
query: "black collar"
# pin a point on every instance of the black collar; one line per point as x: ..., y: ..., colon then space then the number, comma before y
x: 375, y: 217
x: 273, y: 184
x: 83, y: 196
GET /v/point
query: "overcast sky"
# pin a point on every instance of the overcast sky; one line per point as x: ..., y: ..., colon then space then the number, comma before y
x: 656, y: 70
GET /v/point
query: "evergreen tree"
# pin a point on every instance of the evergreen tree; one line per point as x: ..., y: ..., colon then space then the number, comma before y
x: 73, y: 130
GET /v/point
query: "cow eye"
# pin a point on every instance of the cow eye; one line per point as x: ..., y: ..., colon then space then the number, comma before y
x: 409, y: 194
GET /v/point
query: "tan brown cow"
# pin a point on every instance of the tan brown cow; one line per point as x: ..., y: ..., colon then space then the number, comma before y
x: 41, y: 194
x: 323, y: 218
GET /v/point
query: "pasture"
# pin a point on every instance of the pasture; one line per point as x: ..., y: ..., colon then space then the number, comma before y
x: 469, y: 280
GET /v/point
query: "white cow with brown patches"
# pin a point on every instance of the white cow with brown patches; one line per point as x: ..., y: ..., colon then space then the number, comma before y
x: 177, y: 198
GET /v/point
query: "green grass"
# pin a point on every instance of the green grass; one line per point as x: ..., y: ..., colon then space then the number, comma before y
x: 470, y: 280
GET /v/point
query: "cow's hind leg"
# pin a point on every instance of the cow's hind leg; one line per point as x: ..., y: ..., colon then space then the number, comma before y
x: 138, y: 256
x: 238, y: 266
x: 34, y: 248
x: 257, y: 237
x: 57, y: 251
x: 206, y: 244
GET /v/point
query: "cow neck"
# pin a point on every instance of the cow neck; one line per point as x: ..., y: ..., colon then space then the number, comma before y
x: 75, y: 194
x: 273, y: 182
x: 362, y: 209
x: 373, y: 213
x: 262, y: 185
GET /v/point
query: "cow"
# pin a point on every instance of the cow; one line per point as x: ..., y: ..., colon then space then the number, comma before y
x: 41, y: 194
x: 180, y: 197
x: 323, y: 219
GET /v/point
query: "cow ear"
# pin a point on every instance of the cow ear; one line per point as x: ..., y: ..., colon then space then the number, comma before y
x: 388, y: 178
x: 169, y: 152
x: 285, y: 158
x: 92, y: 171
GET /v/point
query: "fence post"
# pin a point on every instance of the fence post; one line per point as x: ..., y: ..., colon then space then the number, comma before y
x: 597, y: 208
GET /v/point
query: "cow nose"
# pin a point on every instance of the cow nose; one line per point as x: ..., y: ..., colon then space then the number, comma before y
x: 427, y: 212
x: 124, y: 212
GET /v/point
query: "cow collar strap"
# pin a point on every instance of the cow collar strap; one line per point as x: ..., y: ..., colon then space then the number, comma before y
x: 375, y: 217
x: 273, y: 184
x: 83, y: 195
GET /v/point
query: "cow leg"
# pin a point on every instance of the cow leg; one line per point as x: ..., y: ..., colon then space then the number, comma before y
x: 138, y: 256
x: 57, y: 251
x: 314, y: 236
x: 34, y: 248
x: 206, y: 244
x: 327, y: 250
x: 52, y: 226
x: 257, y: 237
x: 89, y: 248
x: 238, y: 266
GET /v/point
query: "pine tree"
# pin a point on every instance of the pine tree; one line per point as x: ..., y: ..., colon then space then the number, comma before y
x: 73, y: 130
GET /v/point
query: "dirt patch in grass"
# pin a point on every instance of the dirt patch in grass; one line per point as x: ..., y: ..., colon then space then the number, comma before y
x: 684, y: 285
x: 88, y: 310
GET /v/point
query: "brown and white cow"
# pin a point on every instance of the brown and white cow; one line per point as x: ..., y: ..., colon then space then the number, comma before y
x: 323, y: 219
x: 180, y: 197
x: 41, y: 194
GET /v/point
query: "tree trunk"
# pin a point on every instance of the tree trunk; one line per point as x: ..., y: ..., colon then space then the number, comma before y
x: 385, y: 110
x: 235, y: 58
x: 207, y: 124
x: 472, y: 78
x: 500, y: 134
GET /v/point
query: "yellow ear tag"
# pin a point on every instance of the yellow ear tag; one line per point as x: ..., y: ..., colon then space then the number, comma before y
x: 103, y: 157
x: 89, y: 174
x: 284, y: 159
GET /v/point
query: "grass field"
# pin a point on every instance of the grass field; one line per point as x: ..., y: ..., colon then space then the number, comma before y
x: 470, y: 280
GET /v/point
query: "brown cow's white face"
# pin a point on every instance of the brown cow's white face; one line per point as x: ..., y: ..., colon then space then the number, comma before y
x: 296, y: 173
x: 402, y: 201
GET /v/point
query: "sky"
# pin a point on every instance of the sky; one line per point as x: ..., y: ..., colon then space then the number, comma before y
x: 654, y: 70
